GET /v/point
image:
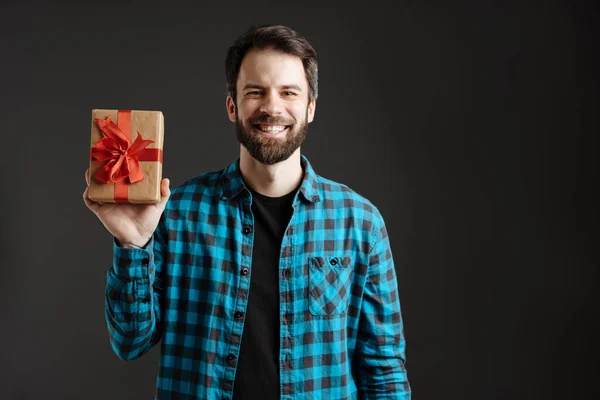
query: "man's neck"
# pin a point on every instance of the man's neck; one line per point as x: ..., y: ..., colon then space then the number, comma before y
x: 271, y: 180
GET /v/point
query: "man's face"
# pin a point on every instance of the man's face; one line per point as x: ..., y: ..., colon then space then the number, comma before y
x: 273, y: 111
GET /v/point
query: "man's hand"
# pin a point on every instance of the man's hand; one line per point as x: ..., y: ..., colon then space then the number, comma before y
x: 131, y: 224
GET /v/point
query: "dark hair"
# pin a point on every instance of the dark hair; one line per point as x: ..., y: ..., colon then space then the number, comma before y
x: 276, y: 37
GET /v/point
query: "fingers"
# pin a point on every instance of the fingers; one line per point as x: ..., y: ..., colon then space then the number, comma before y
x: 165, y: 191
x: 92, y: 205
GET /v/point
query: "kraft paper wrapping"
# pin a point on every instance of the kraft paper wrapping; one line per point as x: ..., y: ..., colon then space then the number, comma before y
x: 150, y: 124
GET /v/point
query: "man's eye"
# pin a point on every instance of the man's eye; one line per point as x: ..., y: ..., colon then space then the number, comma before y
x: 256, y: 92
x: 289, y: 93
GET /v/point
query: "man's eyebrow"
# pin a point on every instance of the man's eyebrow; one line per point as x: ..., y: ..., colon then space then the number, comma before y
x: 296, y: 87
x: 256, y: 86
x: 252, y: 86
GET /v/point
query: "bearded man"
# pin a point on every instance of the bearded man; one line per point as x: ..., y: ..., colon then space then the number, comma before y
x: 262, y: 280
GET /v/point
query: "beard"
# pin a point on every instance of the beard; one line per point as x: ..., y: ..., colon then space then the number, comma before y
x: 268, y: 150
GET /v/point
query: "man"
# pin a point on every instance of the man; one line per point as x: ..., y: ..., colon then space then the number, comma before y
x: 263, y: 280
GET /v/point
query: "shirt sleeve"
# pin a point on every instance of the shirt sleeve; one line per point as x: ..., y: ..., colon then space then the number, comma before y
x: 381, y: 344
x: 134, y: 294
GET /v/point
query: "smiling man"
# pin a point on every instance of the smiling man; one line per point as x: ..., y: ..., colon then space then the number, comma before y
x: 262, y: 280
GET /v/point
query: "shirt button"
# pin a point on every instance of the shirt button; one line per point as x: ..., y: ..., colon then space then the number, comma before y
x: 285, y: 273
x: 247, y: 229
x: 238, y: 315
x: 245, y: 271
x: 333, y: 261
x: 230, y: 357
x: 287, y: 319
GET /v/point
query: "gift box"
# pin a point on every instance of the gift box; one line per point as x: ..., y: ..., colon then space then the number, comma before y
x: 126, y: 156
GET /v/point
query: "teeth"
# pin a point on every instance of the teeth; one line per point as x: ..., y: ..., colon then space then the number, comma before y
x: 271, y: 128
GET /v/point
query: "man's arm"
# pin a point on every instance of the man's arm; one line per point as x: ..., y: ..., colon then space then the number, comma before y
x: 134, y: 294
x: 381, y: 344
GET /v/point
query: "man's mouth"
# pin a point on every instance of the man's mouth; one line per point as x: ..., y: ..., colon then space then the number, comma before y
x: 272, y: 129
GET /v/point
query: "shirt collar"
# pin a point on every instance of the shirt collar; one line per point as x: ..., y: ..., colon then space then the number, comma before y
x: 232, y: 183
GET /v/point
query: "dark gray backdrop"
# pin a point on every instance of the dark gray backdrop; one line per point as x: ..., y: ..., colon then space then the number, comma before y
x: 471, y: 125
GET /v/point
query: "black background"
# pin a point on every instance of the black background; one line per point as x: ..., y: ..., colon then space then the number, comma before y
x: 471, y: 125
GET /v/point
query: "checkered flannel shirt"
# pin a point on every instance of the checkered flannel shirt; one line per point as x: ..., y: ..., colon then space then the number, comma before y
x: 341, y: 329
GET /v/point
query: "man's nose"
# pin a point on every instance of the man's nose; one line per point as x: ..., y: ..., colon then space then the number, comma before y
x: 271, y: 104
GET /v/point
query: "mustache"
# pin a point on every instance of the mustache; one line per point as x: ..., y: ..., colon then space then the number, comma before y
x: 268, y: 119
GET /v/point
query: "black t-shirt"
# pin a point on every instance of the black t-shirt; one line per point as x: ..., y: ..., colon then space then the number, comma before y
x: 257, y: 374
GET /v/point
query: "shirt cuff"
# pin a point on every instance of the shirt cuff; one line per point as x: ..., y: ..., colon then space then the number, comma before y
x: 132, y: 263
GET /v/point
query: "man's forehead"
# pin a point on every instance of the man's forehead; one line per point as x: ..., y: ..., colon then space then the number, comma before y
x: 271, y: 67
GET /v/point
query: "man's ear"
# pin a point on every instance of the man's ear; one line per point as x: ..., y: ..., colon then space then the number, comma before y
x: 312, y: 106
x: 230, y: 108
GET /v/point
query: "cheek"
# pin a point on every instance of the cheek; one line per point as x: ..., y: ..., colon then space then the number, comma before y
x: 298, y: 112
x: 246, y: 109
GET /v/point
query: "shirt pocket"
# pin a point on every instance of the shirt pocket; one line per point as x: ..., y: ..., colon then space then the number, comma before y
x: 329, y: 284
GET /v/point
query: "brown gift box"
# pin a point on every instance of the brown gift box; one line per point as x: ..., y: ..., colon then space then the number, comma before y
x: 150, y: 124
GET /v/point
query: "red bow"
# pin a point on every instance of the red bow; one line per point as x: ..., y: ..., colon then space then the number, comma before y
x: 123, y: 157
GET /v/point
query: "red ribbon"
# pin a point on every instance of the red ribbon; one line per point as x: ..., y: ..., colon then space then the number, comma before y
x: 121, y: 157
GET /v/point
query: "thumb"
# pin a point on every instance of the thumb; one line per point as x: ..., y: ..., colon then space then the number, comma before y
x: 165, y: 191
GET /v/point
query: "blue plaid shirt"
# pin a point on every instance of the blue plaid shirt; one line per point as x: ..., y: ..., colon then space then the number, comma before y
x: 341, y: 329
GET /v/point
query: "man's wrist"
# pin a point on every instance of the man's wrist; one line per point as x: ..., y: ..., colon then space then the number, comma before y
x: 129, y: 244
